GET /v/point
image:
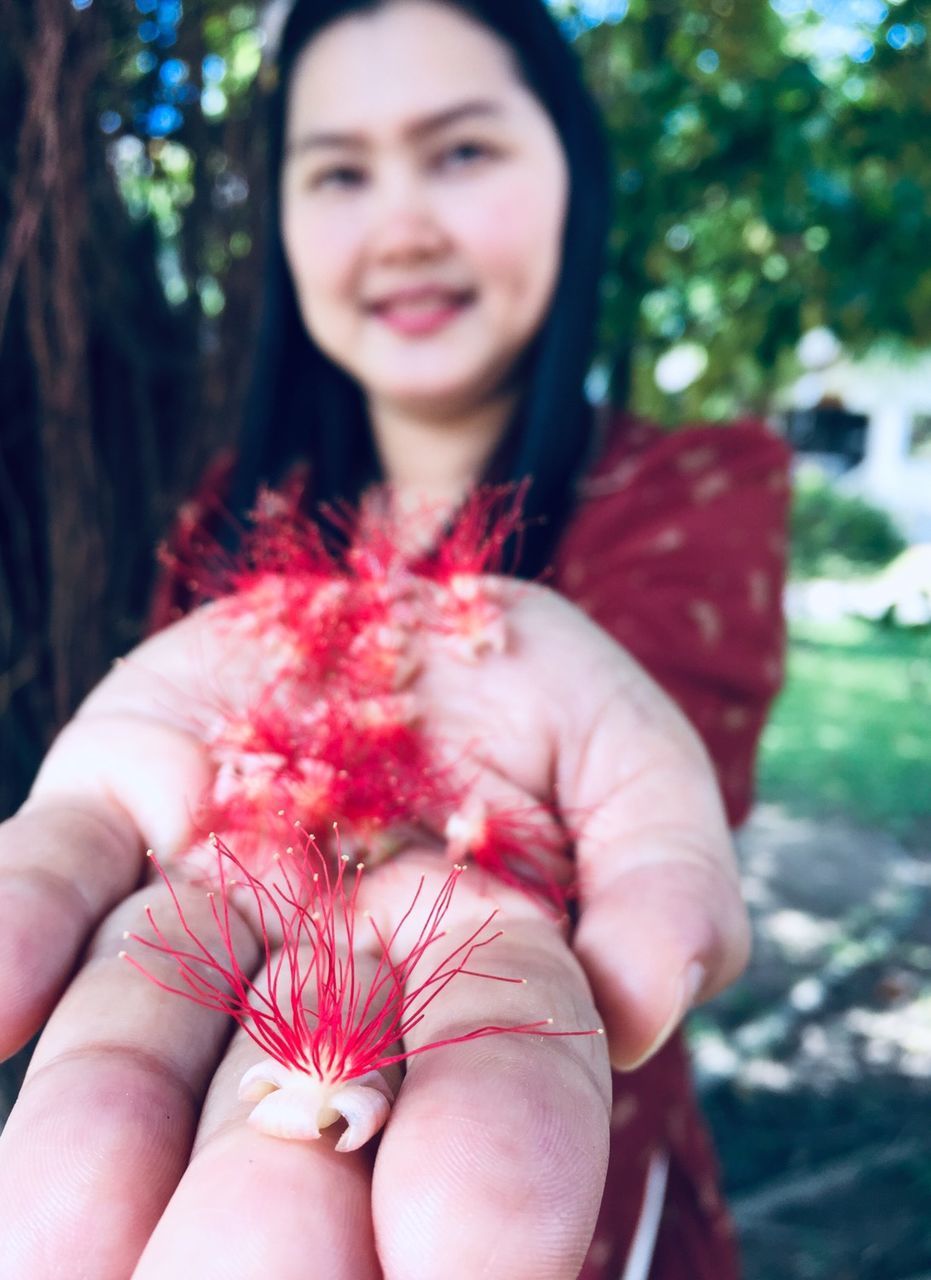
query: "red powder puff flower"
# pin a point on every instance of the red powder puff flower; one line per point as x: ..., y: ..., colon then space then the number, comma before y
x: 362, y: 759
x: 460, y: 600
x: 332, y: 728
x: 526, y: 848
x: 483, y: 532
x: 327, y: 1035
x: 468, y: 612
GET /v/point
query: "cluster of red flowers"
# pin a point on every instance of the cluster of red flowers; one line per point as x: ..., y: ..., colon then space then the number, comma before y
x: 331, y: 732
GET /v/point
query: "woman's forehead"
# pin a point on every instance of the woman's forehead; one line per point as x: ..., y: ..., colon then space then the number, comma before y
x: 405, y: 63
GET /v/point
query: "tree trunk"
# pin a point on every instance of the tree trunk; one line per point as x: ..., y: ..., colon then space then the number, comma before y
x: 93, y: 384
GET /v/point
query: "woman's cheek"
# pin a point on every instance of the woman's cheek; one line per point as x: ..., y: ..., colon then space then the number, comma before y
x: 518, y: 264
x: 497, y: 239
x: 519, y: 233
x: 323, y: 252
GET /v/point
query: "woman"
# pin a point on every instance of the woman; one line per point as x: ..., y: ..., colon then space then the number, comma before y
x: 429, y: 319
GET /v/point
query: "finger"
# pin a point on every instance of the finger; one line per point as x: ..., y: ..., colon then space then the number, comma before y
x: 62, y: 866
x: 110, y: 788
x: 250, y: 1205
x: 656, y: 942
x: 493, y: 1161
x: 124, y: 775
x: 102, y: 1129
x: 662, y: 920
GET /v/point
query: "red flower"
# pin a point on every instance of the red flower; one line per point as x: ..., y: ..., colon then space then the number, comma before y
x: 327, y: 1034
x: 526, y: 848
x: 362, y: 759
x: 486, y: 526
x: 339, y: 614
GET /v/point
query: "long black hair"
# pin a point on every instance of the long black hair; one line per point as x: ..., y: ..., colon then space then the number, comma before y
x: 301, y: 405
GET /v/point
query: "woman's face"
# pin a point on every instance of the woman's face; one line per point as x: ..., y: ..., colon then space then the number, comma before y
x: 424, y: 196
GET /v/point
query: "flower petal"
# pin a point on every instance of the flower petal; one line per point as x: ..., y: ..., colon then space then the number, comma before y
x: 365, y: 1110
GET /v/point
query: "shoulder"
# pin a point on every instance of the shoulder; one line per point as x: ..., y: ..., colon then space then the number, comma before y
x: 661, y: 511
x: 700, y: 486
x: 702, y: 455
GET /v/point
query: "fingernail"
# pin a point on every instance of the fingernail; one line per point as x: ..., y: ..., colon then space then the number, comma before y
x: 691, y: 983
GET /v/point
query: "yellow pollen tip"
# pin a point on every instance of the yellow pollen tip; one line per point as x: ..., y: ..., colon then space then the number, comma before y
x: 121, y: 955
x: 600, y: 1031
x: 126, y: 936
x: 288, y: 849
x: 281, y: 813
x: 150, y: 853
x: 549, y: 1021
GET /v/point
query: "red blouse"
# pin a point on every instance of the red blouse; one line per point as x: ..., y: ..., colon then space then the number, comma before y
x: 677, y: 548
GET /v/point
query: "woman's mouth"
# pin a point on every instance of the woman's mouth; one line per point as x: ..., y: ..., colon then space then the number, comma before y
x: 418, y: 313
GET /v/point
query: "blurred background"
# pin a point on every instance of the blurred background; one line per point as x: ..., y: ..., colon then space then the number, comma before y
x: 771, y: 253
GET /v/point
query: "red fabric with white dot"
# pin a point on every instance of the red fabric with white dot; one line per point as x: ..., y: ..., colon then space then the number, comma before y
x: 678, y: 550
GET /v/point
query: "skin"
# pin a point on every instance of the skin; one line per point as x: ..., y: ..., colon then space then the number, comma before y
x: 444, y: 171
x: 104, y: 1127
x: 129, y: 1118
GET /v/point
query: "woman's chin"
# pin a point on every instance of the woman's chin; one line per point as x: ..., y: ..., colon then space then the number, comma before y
x: 432, y: 400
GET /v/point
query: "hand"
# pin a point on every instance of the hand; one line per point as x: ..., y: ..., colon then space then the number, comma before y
x: 493, y: 1159
x: 662, y: 923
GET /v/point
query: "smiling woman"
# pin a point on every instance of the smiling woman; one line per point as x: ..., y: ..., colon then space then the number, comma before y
x: 433, y: 271
x: 442, y: 213
x: 438, y: 221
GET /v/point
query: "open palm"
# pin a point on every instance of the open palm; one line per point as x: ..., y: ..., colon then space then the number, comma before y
x: 126, y: 1153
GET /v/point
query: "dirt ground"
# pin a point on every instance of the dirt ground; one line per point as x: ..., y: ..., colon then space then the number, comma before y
x: 815, y: 1070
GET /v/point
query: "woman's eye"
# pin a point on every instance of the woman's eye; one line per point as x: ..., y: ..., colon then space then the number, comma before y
x: 338, y: 177
x: 463, y: 153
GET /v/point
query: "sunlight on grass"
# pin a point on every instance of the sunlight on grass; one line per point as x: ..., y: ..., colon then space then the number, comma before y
x: 851, y: 732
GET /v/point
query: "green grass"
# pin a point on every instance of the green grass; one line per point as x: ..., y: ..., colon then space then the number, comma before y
x: 851, y: 732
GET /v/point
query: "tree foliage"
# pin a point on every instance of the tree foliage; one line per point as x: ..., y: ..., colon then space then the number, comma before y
x: 838, y: 533
x: 763, y: 187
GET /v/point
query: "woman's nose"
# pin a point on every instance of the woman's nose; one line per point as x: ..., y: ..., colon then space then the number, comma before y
x: 404, y: 224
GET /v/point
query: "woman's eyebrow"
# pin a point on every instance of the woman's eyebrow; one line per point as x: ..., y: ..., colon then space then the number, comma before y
x: 416, y: 130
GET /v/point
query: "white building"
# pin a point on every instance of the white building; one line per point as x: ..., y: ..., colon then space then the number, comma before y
x: 893, y: 394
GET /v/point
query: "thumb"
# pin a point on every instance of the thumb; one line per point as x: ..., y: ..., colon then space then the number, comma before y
x: 654, y: 941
